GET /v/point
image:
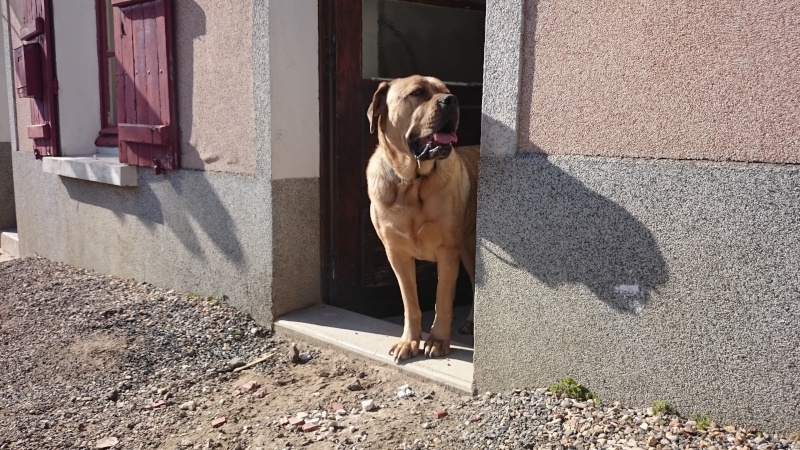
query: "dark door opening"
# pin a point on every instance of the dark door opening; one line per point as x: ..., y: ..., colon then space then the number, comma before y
x: 361, y: 43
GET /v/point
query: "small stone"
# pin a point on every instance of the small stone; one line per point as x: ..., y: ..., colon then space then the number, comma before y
x: 565, y: 403
x: 260, y: 393
x: 107, y: 442
x: 305, y: 357
x: 336, y: 406
x: 112, y: 395
x: 369, y: 405
x: 218, y: 422
x: 188, y: 406
x: 294, y: 421
x: 185, y: 443
x: 283, y: 421
x: 158, y: 404
x: 440, y: 414
x: 294, y: 354
x: 671, y: 437
x: 302, y: 415
x: 354, y: 385
x: 352, y: 428
x: 644, y: 426
x: 310, y: 427
x: 251, y: 386
x: 730, y: 428
x: 652, y: 441
x: 341, y: 412
x: 426, y: 425
x: 235, y: 363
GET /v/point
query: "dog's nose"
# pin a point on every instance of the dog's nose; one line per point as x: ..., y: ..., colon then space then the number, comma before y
x: 448, y: 100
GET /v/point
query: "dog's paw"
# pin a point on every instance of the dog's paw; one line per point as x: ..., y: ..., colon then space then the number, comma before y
x: 404, y: 349
x: 467, y: 327
x: 436, y: 347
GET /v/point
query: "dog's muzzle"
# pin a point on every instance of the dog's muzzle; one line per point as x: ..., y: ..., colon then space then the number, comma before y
x: 439, y: 144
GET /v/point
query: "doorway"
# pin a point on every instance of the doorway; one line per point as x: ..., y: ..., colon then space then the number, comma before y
x: 363, y: 42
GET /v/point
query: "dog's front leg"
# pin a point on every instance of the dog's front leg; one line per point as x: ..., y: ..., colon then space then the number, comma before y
x: 406, y: 271
x: 438, y: 343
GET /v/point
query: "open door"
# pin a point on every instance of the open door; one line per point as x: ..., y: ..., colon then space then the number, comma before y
x: 364, y: 42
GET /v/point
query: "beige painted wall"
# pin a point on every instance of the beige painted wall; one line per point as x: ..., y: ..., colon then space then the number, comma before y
x: 75, y: 28
x: 215, y: 84
x: 685, y: 80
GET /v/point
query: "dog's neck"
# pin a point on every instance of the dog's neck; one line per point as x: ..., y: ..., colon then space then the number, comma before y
x: 404, y: 166
x: 409, y: 170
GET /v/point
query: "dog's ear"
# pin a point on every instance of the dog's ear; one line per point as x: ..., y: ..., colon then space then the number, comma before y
x: 378, y: 106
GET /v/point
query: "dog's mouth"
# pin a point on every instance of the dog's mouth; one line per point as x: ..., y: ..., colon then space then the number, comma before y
x: 435, y: 145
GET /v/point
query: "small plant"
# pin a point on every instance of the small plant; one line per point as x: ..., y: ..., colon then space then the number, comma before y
x: 191, y: 295
x: 702, y: 421
x: 660, y: 407
x: 568, y: 387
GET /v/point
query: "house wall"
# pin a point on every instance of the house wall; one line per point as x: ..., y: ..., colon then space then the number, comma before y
x: 680, y: 80
x: 606, y: 250
x: 225, y: 224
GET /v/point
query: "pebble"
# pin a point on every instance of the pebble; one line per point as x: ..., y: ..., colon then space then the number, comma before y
x: 107, y: 442
x: 188, y: 406
x: 369, y: 405
x: 354, y: 385
x: 218, y: 422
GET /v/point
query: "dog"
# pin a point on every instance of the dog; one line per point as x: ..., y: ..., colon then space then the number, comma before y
x: 422, y: 195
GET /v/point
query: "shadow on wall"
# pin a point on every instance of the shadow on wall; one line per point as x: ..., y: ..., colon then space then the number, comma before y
x: 189, y: 203
x: 540, y: 219
x: 536, y: 217
x: 193, y: 24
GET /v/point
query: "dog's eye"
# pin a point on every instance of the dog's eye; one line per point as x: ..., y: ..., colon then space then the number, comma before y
x: 417, y: 92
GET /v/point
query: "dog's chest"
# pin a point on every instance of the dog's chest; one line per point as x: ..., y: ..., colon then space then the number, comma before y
x: 418, y: 225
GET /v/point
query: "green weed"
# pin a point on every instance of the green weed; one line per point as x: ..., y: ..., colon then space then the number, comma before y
x: 568, y: 387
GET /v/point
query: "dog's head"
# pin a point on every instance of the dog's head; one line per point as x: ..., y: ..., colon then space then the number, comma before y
x: 415, y: 114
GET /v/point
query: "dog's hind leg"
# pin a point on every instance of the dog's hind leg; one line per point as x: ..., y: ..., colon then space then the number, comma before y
x: 468, y: 259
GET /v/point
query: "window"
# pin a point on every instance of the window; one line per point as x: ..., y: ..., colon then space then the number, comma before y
x: 147, y: 129
x: 107, y: 64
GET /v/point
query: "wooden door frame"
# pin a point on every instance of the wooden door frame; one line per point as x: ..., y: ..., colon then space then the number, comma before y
x: 326, y: 19
x: 327, y: 133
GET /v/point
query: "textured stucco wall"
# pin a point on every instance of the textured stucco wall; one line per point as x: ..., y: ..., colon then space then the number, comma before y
x: 215, y: 85
x: 296, y: 244
x: 642, y: 278
x: 684, y: 80
x: 712, y: 249
x: 194, y: 231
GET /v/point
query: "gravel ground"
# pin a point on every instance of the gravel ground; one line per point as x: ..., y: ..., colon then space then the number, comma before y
x: 92, y: 361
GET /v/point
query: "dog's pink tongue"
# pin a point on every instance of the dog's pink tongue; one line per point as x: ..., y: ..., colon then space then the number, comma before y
x: 445, y: 137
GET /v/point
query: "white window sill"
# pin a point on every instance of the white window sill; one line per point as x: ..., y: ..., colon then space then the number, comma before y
x: 98, y: 168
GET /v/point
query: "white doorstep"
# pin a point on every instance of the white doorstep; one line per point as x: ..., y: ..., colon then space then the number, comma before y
x: 372, y: 338
x: 9, y: 243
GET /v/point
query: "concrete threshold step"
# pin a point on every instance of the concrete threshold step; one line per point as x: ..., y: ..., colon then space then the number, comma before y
x: 372, y: 338
x: 9, y: 242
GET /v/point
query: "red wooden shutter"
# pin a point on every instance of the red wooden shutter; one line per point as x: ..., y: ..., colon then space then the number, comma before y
x: 145, y: 84
x: 34, y: 61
